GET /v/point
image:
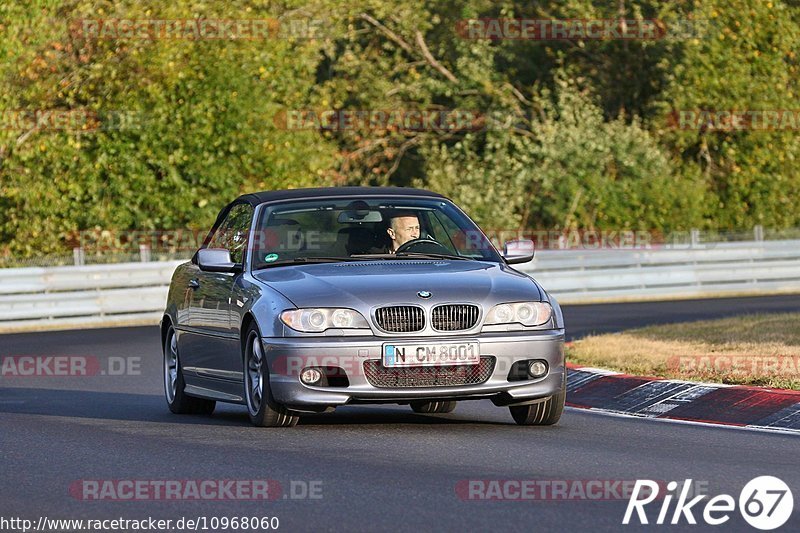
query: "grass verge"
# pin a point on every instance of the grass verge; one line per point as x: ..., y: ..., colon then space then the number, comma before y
x: 761, y: 350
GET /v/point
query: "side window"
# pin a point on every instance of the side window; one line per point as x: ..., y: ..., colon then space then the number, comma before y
x: 232, y: 233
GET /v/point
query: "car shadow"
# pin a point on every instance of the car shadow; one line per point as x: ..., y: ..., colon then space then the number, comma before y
x: 355, y: 416
x: 152, y: 408
x: 102, y: 405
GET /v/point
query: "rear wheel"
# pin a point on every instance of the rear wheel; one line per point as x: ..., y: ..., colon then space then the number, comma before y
x: 177, y: 400
x: 264, y: 411
x: 544, y: 413
x: 440, y: 407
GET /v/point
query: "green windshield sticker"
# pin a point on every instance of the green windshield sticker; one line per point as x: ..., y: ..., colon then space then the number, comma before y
x: 269, y: 258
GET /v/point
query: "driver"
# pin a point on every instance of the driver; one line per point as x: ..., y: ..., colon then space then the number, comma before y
x: 403, y: 227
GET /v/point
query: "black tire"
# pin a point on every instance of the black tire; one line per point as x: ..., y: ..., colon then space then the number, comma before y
x: 177, y: 400
x: 544, y: 413
x: 264, y: 411
x: 439, y: 407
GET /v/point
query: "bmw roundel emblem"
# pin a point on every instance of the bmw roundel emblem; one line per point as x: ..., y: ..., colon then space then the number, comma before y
x: 424, y: 294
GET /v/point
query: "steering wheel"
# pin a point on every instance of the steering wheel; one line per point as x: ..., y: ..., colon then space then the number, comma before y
x: 423, y: 245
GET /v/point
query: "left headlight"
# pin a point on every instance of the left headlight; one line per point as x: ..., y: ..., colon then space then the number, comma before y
x: 525, y: 313
x: 316, y: 320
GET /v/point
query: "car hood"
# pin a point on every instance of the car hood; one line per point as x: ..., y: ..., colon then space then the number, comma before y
x: 366, y: 284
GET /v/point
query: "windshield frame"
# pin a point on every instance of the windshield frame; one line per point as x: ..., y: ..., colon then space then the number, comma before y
x: 490, y: 253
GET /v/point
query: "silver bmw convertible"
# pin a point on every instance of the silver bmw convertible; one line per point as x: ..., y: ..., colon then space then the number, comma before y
x: 303, y: 300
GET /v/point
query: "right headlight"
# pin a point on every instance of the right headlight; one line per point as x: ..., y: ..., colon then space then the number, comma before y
x: 525, y: 313
x: 317, y: 320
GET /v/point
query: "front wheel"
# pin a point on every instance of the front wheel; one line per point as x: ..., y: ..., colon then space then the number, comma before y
x: 177, y: 400
x: 264, y: 411
x: 544, y: 413
x: 433, y: 407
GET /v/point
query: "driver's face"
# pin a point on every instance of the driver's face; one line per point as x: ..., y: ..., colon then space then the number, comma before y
x: 402, y: 230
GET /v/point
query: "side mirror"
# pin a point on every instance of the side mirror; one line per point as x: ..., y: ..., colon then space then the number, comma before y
x: 216, y: 260
x: 518, y: 251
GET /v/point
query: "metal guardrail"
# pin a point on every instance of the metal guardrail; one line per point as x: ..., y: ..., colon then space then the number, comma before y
x: 136, y: 292
x: 577, y: 276
x: 73, y: 296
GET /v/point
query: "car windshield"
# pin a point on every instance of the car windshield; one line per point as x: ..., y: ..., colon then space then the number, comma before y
x: 369, y: 228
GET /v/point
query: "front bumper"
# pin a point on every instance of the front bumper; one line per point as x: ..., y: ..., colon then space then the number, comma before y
x: 288, y: 356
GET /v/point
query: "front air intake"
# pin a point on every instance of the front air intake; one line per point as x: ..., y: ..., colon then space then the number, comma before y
x: 400, y: 318
x: 428, y: 376
x: 454, y: 317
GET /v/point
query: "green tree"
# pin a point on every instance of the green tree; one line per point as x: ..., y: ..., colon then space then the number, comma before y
x: 568, y: 168
x: 184, y: 125
x: 747, y: 60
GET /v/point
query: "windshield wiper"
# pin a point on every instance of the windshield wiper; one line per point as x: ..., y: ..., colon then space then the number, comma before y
x: 412, y: 255
x: 433, y: 255
x: 304, y: 260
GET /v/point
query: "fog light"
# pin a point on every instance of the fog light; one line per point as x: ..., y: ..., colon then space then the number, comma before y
x: 537, y: 368
x: 309, y: 376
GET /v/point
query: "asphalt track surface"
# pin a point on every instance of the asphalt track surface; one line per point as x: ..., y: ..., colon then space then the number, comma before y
x: 376, y: 468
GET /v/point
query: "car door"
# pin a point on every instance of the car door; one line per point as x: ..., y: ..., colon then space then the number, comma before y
x: 211, y: 342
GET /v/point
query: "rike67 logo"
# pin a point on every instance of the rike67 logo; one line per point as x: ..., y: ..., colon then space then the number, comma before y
x: 765, y: 502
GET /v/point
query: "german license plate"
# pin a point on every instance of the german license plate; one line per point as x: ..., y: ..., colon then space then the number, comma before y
x: 462, y: 353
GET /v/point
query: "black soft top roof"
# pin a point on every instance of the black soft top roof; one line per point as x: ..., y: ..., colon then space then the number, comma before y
x: 257, y: 198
